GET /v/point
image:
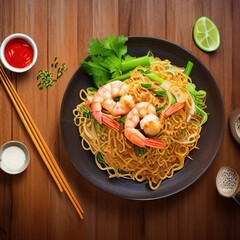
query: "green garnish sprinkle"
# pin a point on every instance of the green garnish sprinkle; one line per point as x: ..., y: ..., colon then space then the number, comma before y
x: 47, y: 78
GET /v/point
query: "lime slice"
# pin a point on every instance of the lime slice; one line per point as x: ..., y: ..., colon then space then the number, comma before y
x: 206, y: 34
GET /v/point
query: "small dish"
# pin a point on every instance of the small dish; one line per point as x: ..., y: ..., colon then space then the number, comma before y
x: 234, y: 121
x: 227, y: 181
x: 18, y: 52
x: 14, y: 157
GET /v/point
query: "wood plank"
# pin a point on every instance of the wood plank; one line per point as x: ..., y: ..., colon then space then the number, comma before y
x: 30, y: 203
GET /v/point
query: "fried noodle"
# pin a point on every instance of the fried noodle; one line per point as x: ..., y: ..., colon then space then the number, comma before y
x: 120, y: 158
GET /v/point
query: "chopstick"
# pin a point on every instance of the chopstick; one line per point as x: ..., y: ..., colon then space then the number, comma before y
x: 39, y: 142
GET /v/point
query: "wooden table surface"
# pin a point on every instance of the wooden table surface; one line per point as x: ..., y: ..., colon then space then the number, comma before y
x: 31, y: 206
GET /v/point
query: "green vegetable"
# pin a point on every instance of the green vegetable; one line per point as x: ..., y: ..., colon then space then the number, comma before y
x: 108, y: 60
x: 122, y: 171
x: 171, y: 98
x: 134, y: 62
x: 97, y: 126
x: 146, y: 85
x: 86, y: 113
x: 139, y: 151
x: 201, y: 113
x: 91, y: 90
x: 100, y: 158
x: 188, y: 68
x: 99, y: 73
x: 151, y: 75
x: 160, y: 92
x: 198, y: 96
x: 121, y: 119
x: 191, y: 87
x: 47, y: 78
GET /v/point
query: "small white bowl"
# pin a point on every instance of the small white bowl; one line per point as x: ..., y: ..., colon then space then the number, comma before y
x: 29, y: 41
x: 14, y: 157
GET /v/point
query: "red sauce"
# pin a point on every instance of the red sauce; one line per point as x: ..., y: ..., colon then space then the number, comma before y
x: 18, y: 53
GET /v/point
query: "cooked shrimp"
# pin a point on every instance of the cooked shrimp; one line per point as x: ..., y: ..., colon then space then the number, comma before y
x: 104, y: 99
x: 141, y: 110
x: 151, y: 124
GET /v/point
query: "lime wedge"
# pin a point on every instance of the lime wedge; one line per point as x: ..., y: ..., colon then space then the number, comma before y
x: 206, y: 34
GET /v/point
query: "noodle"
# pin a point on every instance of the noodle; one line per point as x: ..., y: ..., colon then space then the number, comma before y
x: 119, y: 156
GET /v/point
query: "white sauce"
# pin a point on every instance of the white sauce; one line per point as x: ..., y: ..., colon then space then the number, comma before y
x: 13, y: 158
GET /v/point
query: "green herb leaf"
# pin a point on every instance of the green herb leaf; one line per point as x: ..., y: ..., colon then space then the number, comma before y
x: 188, y: 68
x: 108, y: 60
x: 121, y: 119
x: 139, y: 151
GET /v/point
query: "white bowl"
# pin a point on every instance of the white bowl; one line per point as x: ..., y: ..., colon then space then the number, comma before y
x: 14, y: 157
x: 29, y: 41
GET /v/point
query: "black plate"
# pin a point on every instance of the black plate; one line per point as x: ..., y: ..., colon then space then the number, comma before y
x: 209, y: 143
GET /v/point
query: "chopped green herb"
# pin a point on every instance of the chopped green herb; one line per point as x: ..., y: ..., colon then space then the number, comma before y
x: 47, y: 78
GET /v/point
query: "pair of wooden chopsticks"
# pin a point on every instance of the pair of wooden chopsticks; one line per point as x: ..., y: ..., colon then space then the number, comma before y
x: 39, y: 142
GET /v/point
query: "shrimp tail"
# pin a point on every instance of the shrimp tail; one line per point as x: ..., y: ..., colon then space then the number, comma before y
x: 155, y: 143
x: 111, y: 123
x: 140, y: 140
x: 107, y: 121
x: 98, y: 116
x: 174, y: 108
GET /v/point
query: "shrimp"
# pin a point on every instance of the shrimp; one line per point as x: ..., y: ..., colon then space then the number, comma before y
x: 152, y: 125
x: 104, y: 99
x: 142, y: 110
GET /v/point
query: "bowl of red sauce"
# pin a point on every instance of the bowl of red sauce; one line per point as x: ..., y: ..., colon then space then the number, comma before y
x: 18, y: 52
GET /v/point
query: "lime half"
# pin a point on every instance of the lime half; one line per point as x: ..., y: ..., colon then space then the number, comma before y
x: 206, y: 34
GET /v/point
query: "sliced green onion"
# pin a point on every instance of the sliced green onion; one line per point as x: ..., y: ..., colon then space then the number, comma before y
x: 135, y: 62
x: 160, y: 92
x: 188, y: 68
x: 146, y: 85
x: 152, y: 76
x: 86, y: 113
